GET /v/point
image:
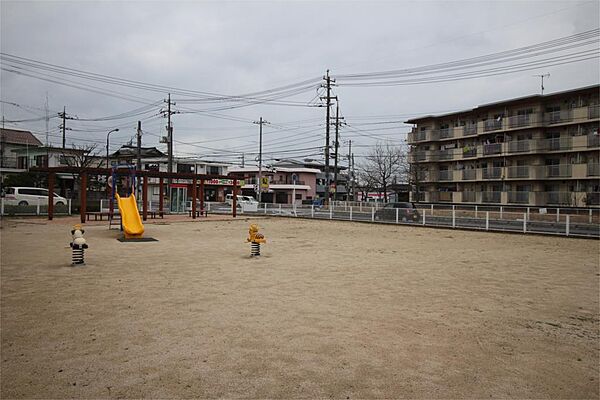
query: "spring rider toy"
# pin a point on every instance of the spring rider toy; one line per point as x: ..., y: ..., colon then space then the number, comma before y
x: 78, y: 245
x: 255, y: 240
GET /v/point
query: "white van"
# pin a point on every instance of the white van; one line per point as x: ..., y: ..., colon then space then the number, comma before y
x: 240, y: 199
x: 24, y: 196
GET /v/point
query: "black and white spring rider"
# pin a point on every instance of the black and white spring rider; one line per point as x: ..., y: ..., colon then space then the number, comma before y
x: 78, y: 245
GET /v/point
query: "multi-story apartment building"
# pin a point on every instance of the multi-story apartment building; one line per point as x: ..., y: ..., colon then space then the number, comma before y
x: 540, y: 150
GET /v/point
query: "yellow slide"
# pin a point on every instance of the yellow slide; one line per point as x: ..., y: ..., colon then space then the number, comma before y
x: 130, y: 217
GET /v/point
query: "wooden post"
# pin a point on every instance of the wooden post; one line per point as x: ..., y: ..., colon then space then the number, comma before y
x: 50, y: 196
x: 201, y: 194
x: 234, y: 211
x: 83, y: 197
x: 161, y: 191
x: 194, y: 184
x: 145, y: 198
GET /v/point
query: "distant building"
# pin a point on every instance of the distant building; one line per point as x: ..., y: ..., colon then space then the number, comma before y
x: 539, y: 150
x: 13, y: 139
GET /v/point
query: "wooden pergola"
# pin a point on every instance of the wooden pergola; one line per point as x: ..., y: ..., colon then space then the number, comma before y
x: 144, y: 174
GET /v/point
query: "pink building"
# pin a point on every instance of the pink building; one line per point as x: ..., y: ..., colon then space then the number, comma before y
x: 284, y: 183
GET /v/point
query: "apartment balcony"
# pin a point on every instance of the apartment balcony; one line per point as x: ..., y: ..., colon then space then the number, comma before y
x: 492, y: 125
x: 469, y: 151
x: 522, y: 121
x: 492, y: 148
x: 491, y: 197
x: 560, y: 198
x: 557, y: 144
x: 558, y: 117
x: 446, y: 133
x: 445, y: 155
x: 469, y: 174
x: 518, y: 197
x: 519, y: 171
x: 593, y: 140
x: 492, y: 173
x: 593, y: 169
x: 593, y: 111
x: 521, y: 146
x: 558, y: 171
x: 446, y: 175
x: 468, y: 197
x: 469, y: 130
x: 416, y: 156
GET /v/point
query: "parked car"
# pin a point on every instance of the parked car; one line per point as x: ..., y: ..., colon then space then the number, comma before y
x: 240, y: 199
x: 406, y: 212
x: 24, y: 196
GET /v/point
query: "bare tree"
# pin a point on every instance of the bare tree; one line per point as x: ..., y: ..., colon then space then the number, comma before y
x: 384, y: 163
x: 81, y: 157
x: 366, y: 183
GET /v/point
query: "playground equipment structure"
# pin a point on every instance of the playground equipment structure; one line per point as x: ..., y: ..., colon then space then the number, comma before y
x: 255, y: 240
x: 131, y: 222
x: 78, y: 246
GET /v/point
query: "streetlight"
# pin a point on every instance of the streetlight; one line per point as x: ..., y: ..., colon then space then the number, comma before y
x: 107, y: 136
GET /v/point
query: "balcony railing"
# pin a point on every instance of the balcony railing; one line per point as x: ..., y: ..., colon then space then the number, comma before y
x: 469, y: 174
x: 469, y: 151
x: 469, y: 197
x: 491, y: 197
x: 557, y: 117
x: 444, y: 196
x: 558, y: 171
x: 445, y: 155
x: 492, y: 125
x: 593, y: 140
x: 519, y: 146
x: 593, y: 169
x: 446, y: 133
x: 421, y: 136
x: 518, y: 197
x: 520, y: 121
x: 492, y: 148
x: 518, y: 171
x: 594, y: 111
x: 469, y: 130
x: 556, y: 144
x: 445, y: 175
x: 559, y: 198
x: 492, y: 173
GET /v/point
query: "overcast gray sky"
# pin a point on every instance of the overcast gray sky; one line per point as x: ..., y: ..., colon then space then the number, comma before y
x: 235, y: 48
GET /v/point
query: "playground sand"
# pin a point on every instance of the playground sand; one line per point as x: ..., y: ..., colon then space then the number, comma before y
x: 331, y: 309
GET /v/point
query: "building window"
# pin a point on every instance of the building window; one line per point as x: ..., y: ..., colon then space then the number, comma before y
x: 22, y: 162
x: 41, y: 161
x: 211, y: 170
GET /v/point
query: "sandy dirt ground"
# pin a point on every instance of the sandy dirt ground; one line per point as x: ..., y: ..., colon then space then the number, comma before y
x: 331, y: 310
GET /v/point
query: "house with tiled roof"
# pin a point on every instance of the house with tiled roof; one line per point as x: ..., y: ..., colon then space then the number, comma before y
x: 13, y: 139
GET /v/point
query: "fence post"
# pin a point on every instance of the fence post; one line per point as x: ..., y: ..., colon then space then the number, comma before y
x: 487, y: 220
x: 590, y: 219
x: 350, y: 213
x: 265, y: 208
x: 501, y: 209
x: 345, y: 206
x: 312, y: 210
x: 558, y: 215
x: 330, y: 212
x: 432, y: 209
x: 524, y: 222
x: 567, y: 219
x: 475, y: 210
x: 279, y: 209
x: 423, y: 217
x: 372, y: 214
x: 360, y: 206
x: 397, y: 209
x: 69, y: 201
x: 2, y: 207
x: 453, y: 217
x: 38, y: 207
x: 528, y: 217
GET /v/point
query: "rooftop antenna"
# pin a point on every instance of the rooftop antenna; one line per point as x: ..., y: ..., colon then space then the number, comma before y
x: 543, y: 76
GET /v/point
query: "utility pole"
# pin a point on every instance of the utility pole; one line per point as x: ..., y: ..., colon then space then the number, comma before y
x: 260, y: 122
x: 337, y: 143
x: 64, y: 117
x: 139, y: 146
x: 353, y: 180
x: 47, y: 119
x: 168, y: 113
x: 328, y: 98
x: 349, y: 170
